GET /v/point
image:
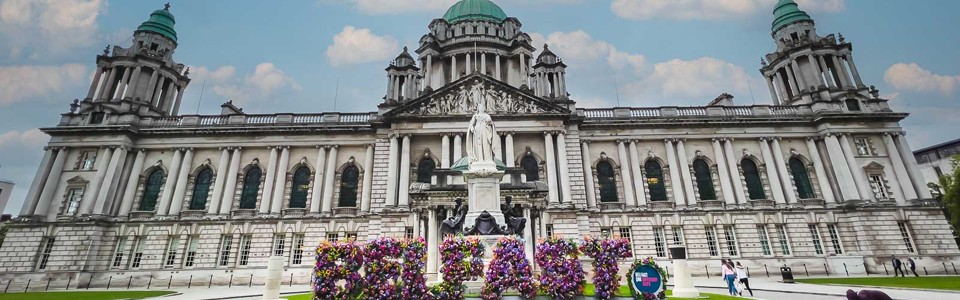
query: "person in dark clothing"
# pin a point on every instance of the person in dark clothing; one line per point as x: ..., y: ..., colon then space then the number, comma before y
x: 898, y: 268
x: 913, y: 266
x: 867, y: 295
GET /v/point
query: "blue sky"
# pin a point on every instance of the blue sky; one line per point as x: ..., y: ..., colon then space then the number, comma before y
x: 287, y: 56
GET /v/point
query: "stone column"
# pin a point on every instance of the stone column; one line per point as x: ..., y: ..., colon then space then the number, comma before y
x: 109, y: 184
x: 433, y: 244
x: 151, y: 85
x: 122, y: 85
x: 524, y: 75
x: 126, y: 204
x: 280, y: 187
x: 923, y: 192
x: 499, y: 142
x: 497, y: 61
x: 826, y: 190
x: 469, y: 64
x: 685, y: 174
x: 722, y: 167
x: 551, y: 168
x: 675, y: 182
x: 899, y: 170
x: 509, y: 159
x: 268, y: 181
x: 798, y: 74
x: 841, y: 71
x: 37, y: 184
x: 587, y: 177
x: 792, y: 81
x: 457, y: 147
x: 859, y: 177
x: 404, y: 189
x: 367, y: 193
x: 428, y: 74
x: 155, y: 98
x: 392, y: 169
x: 168, y: 96
x: 389, y: 95
x: 788, y: 188
x: 483, y: 63
x: 132, y: 85
x: 625, y: 173
x: 318, y: 174
x: 853, y: 68
x: 562, y: 84
x: 90, y: 194
x: 831, y: 81
x: 528, y: 235
x: 637, y: 176
x: 95, y: 83
x: 104, y: 93
x: 816, y: 69
x: 773, y: 173
x: 328, y: 180
x: 848, y: 189
x: 44, y: 203
x: 181, y: 187
x: 784, y: 95
x: 176, y: 105
x: 229, y: 192
x: 564, y: 168
x: 445, y: 152
x: 453, y: 68
x: 219, y: 180
x: 732, y: 163
x: 773, y: 91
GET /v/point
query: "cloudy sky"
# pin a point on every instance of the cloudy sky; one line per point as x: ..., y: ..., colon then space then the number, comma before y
x: 287, y: 56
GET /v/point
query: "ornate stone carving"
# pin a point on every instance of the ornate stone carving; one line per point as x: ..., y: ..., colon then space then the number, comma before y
x: 463, y: 100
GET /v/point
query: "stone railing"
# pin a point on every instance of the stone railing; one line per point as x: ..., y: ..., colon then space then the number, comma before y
x: 759, y: 111
x: 242, y: 120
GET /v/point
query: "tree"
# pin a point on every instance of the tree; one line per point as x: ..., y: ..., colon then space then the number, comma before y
x: 949, y: 189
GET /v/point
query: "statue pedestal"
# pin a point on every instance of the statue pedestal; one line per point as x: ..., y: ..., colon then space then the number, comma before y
x: 483, y: 192
x: 682, y: 281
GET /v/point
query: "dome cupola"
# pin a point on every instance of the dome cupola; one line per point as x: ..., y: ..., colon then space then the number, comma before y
x: 161, y: 22
x: 484, y: 10
x: 788, y: 12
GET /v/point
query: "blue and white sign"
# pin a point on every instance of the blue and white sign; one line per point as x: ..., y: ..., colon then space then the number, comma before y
x: 646, y: 279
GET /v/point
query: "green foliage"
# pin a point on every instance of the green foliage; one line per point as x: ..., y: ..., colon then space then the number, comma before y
x: 84, y: 295
x: 926, y: 282
x: 950, y: 188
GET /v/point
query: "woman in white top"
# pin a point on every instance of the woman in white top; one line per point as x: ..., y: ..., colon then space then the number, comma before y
x: 742, y: 275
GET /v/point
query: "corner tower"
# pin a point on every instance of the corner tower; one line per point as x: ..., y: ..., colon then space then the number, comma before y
x: 807, y: 68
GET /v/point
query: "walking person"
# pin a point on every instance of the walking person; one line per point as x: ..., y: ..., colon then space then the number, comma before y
x: 913, y: 266
x: 729, y: 275
x: 744, y: 279
x: 898, y: 267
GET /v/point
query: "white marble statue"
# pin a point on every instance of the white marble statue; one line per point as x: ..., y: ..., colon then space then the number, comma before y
x: 482, y: 137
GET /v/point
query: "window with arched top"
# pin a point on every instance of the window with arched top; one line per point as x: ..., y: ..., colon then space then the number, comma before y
x: 654, y: 171
x: 752, y: 176
x: 425, y: 170
x: 151, y: 190
x: 531, y: 167
x: 300, y: 188
x: 701, y: 170
x: 801, y: 179
x: 251, y: 186
x: 349, y: 181
x: 201, y: 190
x: 606, y: 177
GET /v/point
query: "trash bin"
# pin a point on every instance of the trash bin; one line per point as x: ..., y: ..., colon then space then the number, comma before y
x: 787, y: 274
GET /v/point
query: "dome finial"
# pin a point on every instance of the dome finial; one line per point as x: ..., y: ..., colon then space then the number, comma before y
x: 166, y: 7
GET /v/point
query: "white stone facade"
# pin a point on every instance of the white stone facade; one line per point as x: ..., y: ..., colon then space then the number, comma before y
x: 820, y: 182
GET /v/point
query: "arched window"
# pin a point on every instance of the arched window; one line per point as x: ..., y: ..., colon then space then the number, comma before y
x: 425, y: 170
x: 704, y: 180
x: 151, y: 190
x: 530, y: 167
x: 251, y: 186
x: 300, y: 188
x: 201, y: 190
x: 658, y: 191
x: 752, y: 175
x: 801, y: 178
x: 606, y: 176
x: 349, y: 180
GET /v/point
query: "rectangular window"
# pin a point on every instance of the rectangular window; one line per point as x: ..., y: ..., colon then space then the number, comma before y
x: 74, y: 195
x: 333, y: 237
x: 939, y: 171
x: 835, y: 239
x: 605, y: 232
x: 297, y: 249
x: 226, y: 242
x: 87, y: 160
x: 246, y: 241
x: 192, y: 250
x: 764, y: 239
x: 712, y: 241
x: 864, y: 147
x: 279, y: 244
x: 907, y: 238
x: 408, y: 233
x: 815, y: 234
x: 659, y: 241
x: 879, y: 185
x: 138, y: 252
x: 549, y: 230
x: 118, y: 251
x: 783, y: 239
x: 625, y: 234
x: 730, y: 234
x: 45, y: 249
x: 677, y: 235
x: 172, y: 245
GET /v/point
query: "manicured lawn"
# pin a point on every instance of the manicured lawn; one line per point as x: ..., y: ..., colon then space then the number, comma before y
x: 934, y: 283
x: 84, y: 295
x: 298, y: 297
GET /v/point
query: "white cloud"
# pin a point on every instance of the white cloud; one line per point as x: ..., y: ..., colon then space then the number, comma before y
x: 265, y: 80
x: 35, y: 28
x: 579, y: 49
x: 32, y: 138
x: 912, y: 77
x: 360, y: 45
x: 701, y: 78
x: 220, y: 74
x: 709, y: 9
x: 21, y: 83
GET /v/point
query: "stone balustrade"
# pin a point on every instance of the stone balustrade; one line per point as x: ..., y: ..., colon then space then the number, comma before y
x: 274, y: 119
x: 754, y: 111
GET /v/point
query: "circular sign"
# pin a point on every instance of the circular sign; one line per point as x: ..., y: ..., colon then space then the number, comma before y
x: 646, y: 279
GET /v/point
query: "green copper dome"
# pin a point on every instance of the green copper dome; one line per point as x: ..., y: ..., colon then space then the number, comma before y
x: 161, y: 22
x: 484, y: 10
x: 787, y: 12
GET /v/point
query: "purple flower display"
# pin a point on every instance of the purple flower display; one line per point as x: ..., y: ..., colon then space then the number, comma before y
x: 561, y: 274
x: 509, y: 269
x: 414, y: 283
x: 605, y: 254
x: 336, y: 262
x: 462, y: 260
x: 381, y: 268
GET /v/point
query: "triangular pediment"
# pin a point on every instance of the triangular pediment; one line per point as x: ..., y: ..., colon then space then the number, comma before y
x: 460, y: 98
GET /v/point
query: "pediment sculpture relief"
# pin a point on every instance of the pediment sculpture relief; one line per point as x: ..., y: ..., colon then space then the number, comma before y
x: 460, y: 101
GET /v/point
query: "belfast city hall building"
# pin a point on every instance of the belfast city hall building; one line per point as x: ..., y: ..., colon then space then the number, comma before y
x: 821, y: 177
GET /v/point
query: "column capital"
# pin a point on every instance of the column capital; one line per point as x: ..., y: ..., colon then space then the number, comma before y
x: 585, y: 142
x: 813, y: 138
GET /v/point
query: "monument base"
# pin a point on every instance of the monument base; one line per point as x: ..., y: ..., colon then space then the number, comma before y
x: 682, y: 281
x: 483, y: 193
